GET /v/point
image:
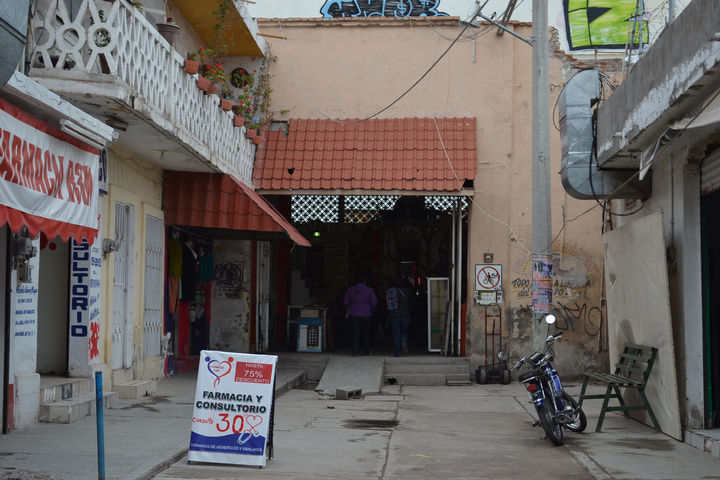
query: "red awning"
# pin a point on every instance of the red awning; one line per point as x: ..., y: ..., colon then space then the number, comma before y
x: 47, y: 178
x: 221, y: 201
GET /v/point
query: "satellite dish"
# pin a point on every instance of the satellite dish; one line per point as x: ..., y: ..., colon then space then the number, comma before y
x: 13, y: 36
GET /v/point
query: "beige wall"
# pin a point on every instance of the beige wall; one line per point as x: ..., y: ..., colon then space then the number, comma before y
x: 138, y: 183
x: 353, y: 68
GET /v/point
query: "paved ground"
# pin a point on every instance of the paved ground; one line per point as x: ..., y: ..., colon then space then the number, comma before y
x: 478, y: 432
x: 474, y: 432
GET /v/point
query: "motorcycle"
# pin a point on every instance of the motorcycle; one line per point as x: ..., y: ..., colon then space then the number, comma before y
x: 555, y: 408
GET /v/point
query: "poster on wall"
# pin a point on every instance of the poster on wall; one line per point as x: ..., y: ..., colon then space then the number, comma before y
x: 233, y: 409
x: 542, y: 283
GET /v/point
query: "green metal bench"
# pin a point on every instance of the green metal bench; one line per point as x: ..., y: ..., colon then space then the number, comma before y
x: 631, y: 372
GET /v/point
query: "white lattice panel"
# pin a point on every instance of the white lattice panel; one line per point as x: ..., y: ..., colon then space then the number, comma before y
x: 113, y: 38
x: 360, y: 208
x: 153, y: 286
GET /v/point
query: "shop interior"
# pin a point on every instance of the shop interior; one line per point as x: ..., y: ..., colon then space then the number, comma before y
x: 375, y: 237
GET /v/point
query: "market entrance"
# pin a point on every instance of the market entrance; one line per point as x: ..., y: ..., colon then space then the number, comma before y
x: 379, y: 237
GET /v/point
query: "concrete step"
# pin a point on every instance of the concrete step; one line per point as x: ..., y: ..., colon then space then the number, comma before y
x: 54, y: 389
x: 424, y: 379
x: 402, y: 368
x: 136, y: 389
x: 75, y: 408
x: 427, y: 371
x: 705, y: 440
x: 427, y: 360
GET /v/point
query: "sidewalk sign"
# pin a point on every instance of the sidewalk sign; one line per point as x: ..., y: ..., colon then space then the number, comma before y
x: 234, y: 407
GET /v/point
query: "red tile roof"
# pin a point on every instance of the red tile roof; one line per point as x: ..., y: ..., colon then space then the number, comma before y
x: 404, y: 154
x: 221, y: 201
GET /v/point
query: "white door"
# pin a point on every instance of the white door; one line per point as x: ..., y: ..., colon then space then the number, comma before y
x: 263, y: 296
x: 153, y: 286
x: 122, y: 286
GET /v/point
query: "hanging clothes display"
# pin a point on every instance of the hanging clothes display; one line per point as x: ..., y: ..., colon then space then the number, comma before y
x: 175, y: 251
x: 189, y: 272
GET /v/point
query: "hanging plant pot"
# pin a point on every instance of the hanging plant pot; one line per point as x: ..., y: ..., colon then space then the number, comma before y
x: 168, y: 31
x: 214, y: 88
x: 257, y: 140
x: 251, y: 133
x: 239, y: 121
x: 226, y: 104
x: 204, y: 84
x: 192, y: 66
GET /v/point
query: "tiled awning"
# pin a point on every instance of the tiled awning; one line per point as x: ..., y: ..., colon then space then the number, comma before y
x: 402, y: 155
x: 221, y: 201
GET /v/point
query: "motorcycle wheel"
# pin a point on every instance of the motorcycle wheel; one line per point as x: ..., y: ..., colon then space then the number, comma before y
x: 580, y: 422
x: 553, y: 430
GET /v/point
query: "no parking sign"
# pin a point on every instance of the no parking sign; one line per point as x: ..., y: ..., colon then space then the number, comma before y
x: 233, y: 408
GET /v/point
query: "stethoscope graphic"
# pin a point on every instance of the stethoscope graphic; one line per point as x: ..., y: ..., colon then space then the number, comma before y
x: 250, y: 432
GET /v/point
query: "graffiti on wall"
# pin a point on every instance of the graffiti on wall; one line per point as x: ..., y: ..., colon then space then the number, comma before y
x: 381, y: 8
x: 602, y: 24
x: 574, y: 271
x: 576, y: 275
x: 575, y: 317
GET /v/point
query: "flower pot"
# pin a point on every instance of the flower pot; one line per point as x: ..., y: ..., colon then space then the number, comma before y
x: 204, y: 84
x: 168, y: 31
x: 239, y: 121
x: 192, y: 66
x: 226, y: 104
x: 257, y: 140
x: 251, y: 133
x: 214, y: 88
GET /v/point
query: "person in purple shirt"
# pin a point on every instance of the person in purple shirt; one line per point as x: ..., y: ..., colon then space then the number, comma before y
x: 360, y: 301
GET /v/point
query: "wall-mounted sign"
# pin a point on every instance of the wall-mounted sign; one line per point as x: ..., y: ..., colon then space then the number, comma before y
x: 233, y: 410
x: 488, y: 277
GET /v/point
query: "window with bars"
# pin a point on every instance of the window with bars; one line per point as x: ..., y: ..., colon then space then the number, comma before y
x: 359, y: 208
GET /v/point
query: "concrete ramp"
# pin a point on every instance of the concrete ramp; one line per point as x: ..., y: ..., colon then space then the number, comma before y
x: 360, y: 372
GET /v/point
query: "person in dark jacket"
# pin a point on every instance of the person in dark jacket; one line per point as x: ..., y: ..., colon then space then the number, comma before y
x: 360, y: 301
x: 399, y: 301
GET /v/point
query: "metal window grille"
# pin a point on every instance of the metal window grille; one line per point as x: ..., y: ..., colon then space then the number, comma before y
x: 153, y: 286
x: 446, y: 203
x: 359, y: 208
x: 307, y: 208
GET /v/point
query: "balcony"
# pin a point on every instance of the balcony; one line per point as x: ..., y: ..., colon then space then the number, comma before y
x: 108, y: 59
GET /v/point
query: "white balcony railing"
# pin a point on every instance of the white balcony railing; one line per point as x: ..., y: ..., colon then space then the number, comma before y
x: 113, y: 38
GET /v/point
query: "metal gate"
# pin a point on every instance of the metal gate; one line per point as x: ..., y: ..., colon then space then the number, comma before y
x: 153, y: 286
x: 263, y: 296
x: 122, y: 288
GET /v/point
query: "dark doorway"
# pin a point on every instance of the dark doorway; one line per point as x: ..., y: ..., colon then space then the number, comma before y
x: 378, y: 238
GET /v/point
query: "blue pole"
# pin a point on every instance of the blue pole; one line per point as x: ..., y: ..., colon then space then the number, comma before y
x: 100, y: 429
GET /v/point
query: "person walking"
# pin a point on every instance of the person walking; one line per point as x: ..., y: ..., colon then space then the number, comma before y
x: 360, y: 301
x: 399, y: 304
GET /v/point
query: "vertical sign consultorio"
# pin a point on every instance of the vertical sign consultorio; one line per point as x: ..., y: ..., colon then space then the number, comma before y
x: 233, y: 408
x: 85, y: 269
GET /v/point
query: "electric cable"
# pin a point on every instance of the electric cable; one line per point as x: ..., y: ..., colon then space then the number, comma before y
x: 354, y: 122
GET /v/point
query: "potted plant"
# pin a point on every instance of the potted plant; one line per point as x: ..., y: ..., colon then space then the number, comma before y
x: 169, y: 30
x: 226, y: 100
x: 216, y: 74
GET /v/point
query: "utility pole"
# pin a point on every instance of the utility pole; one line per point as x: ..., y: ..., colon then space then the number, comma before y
x: 541, y: 198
